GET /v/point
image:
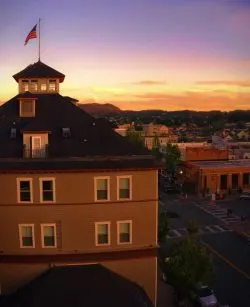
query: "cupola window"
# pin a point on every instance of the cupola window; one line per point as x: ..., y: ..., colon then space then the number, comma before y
x: 25, y: 85
x: 43, y: 87
x: 52, y: 85
x: 34, y: 85
x: 27, y: 107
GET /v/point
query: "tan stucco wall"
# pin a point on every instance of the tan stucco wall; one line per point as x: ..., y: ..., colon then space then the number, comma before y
x: 79, y: 187
x: 75, y: 212
x: 76, y: 226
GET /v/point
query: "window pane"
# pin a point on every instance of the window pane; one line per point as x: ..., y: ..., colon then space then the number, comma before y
x: 49, y: 231
x: 27, y: 241
x: 102, y: 229
x: 27, y: 236
x: 102, y: 194
x: 103, y: 239
x: 25, y: 196
x: 24, y: 185
x: 124, y: 238
x: 52, y: 85
x: 47, y: 195
x: 49, y: 241
x: 125, y: 227
x: 43, y: 87
x: 124, y: 232
x: 124, y: 193
x: 26, y: 231
x: 102, y: 184
x: 124, y: 183
x: 47, y: 185
x: 34, y: 85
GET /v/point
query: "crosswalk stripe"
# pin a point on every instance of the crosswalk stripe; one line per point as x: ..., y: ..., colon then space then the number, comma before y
x: 176, y: 232
x: 209, y: 228
x: 219, y: 228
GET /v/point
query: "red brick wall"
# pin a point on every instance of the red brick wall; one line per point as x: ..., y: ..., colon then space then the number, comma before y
x: 203, y: 154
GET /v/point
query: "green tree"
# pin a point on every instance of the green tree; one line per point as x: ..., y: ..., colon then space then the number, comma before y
x: 193, y: 228
x: 135, y: 137
x: 163, y: 225
x: 156, y: 148
x: 172, y: 157
x: 188, y: 265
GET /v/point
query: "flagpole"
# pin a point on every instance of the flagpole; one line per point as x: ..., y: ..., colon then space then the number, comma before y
x: 39, y: 41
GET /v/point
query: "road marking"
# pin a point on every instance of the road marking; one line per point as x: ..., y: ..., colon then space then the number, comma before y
x: 176, y: 232
x: 225, y: 260
x: 209, y: 228
x: 220, y: 228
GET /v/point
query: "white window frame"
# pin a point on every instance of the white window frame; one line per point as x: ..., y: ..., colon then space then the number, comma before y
x: 42, y: 234
x: 53, y: 179
x: 19, y: 190
x: 21, y: 238
x: 95, y: 188
x: 118, y: 232
x: 130, y: 187
x: 96, y: 233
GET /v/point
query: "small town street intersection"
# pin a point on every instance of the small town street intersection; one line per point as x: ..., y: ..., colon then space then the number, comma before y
x: 225, y: 236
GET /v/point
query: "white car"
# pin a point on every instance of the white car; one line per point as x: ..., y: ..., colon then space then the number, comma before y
x: 205, y: 297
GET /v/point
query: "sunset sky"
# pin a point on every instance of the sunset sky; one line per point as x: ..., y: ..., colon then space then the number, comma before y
x: 136, y: 54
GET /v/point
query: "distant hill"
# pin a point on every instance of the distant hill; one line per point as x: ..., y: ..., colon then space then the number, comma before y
x: 100, y: 109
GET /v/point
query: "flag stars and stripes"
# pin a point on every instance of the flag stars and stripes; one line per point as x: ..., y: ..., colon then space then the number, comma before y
x: 32, y: 34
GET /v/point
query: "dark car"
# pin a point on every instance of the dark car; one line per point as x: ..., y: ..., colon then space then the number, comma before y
x: 171, y: 190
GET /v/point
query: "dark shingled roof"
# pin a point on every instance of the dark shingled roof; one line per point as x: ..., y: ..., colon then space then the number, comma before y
x: 39, y: 70
x: 78, y: 286
x: 90, y: 138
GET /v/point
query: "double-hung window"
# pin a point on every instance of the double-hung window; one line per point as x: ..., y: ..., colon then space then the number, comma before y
x: 124, y: 232
x: 47, y: 190
x: 124, y: 184
x: 102, y: 233
x: 48, y: 232
x: 102, y: 189
x: 26, y: 235
x: 24, y: 190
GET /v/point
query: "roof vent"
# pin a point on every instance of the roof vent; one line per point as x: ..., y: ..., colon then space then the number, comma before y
x: 66, y: 133
x: 13, y: 133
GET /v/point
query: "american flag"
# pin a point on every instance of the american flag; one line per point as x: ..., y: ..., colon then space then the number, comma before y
x: 31, y: 35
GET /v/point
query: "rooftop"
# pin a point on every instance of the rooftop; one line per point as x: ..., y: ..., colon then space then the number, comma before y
x: 83, y: 285
x: 224, y: 164
x: 39, y: 70
x: 90, y: 143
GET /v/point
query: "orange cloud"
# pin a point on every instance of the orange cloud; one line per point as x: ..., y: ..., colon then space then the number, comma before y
x: 227, y: 83
x: 150, y: 82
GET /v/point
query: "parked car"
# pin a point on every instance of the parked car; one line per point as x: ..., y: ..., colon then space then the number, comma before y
x: 204, y: 297
x: 171, y: 190
x: 245, y: 196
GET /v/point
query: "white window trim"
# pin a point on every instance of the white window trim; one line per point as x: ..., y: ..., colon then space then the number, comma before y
x: 20, y: 235
x: 53, y: 179
x: 95, y: 188
x: 42, y: 235
x: 19, y: 191
x: 96, y: 233
x: 130, y: 187
x: 118, y: 232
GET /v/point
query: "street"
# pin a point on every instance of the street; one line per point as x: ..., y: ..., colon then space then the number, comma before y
x: 231, y: 251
